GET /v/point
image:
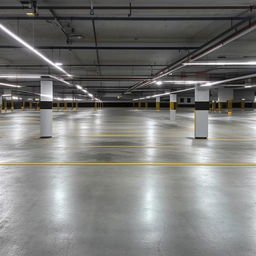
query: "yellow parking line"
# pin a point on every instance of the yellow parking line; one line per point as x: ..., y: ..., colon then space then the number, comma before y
x: 123, y: 147
x: 248, y: 139
x: 126, y: 135
x: 129, y: 164
x: 115, y: 135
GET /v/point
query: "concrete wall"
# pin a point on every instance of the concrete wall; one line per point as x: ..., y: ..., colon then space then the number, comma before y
x: 247, y: 95
x: 186, y: 100
x: 225, y: 94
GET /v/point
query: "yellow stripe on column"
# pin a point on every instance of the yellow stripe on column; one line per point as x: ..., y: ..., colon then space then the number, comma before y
x: 230, y: 106
x: 12, y: 105
x: 173, y: 105
x: 157, y: 106
x: 220, y: 106
x: 242, y: 104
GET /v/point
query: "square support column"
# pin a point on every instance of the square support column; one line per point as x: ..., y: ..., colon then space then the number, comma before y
x: 173, y: 106
x: 201, y: 112
x: 157, y: 103
x: 46, y: 98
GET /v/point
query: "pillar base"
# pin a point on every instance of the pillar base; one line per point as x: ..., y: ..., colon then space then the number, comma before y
x: 201, y: 138
x: 45, y: 137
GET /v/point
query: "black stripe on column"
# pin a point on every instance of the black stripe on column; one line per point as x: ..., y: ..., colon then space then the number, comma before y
x: 45, y: 104
x: 202, y: 105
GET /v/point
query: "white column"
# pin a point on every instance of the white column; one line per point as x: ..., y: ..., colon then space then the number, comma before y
x: 46, y: 108
x: 201, y: 112
x: 173, y: 105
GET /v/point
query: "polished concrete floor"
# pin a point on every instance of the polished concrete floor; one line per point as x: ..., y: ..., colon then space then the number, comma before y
x: 127, y: 209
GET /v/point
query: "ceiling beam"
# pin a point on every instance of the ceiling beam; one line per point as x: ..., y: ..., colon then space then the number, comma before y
x: 224, y: 38
x: 139, y: 48
x: 79, y: 65
x: 139, y: 7
x: 104, y: 18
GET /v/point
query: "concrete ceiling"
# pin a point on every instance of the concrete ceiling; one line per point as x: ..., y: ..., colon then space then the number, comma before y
x: 119, y: 69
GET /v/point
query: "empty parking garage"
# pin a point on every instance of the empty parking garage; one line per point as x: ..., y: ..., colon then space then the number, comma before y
x: 127, y: 128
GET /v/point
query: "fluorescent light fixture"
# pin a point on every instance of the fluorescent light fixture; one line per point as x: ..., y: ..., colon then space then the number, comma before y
x: 32, y: 49
x: 31, y: 14
x: 248, y: 86
x: 229, y: 63
x: 164, y: 94
x: 229, y: 80
x: 185, y: 81
x: 60, y: 79
x: 10, y: 85
x: 57, y: 98
x: 20, y: 76
x: 90, y: 95
x: 79, y: 87
x: 159, y: 82
x: 58, y: 64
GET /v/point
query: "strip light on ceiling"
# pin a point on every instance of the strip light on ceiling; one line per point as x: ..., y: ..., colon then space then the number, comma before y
x: 32, y: 49
x: 163, y: 94
x: 229, y: 80
x: 10, y: 85
x: 235, y: 63
x: 20, y: 76
x: 185, y: 81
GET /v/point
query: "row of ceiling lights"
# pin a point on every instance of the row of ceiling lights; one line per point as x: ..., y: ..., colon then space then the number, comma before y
x: 55, y: 65
x: 206, y: 84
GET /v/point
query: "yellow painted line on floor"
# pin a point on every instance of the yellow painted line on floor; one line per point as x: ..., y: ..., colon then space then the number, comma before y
x: 249, y: 139
x: 127, y: 135
x: 123, y: 147
x: 115, y: 135
x: 129, y: 164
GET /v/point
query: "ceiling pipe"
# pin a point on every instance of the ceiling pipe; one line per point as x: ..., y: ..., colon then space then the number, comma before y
x: 108, y: 79
x: 121, y: 7
x: 135, y: 48
x: 204, y: 50
x: 80, y: 65
x: 229, y: 80
x: 131, y: 18
x: 99, y: 78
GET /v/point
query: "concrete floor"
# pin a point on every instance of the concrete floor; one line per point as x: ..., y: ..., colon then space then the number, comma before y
x: 127, y: 210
